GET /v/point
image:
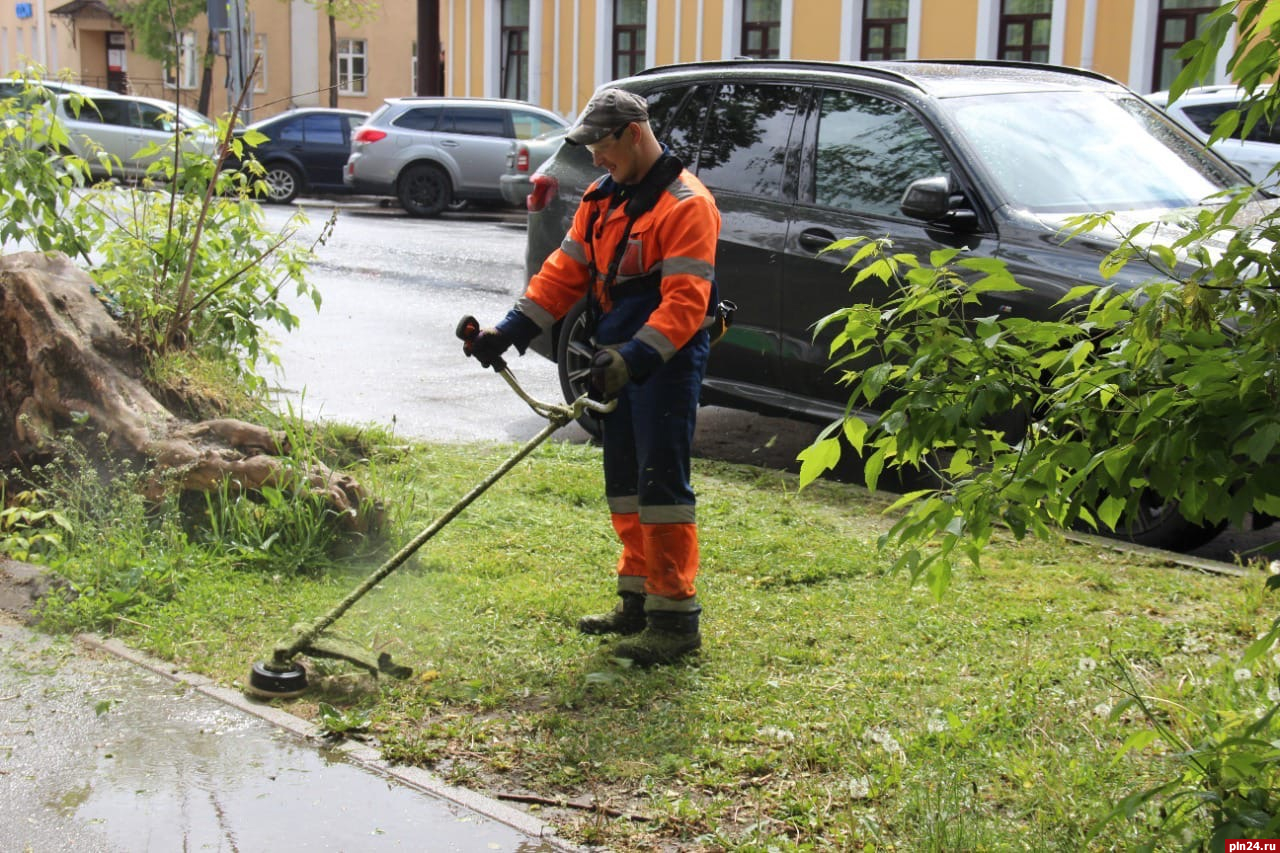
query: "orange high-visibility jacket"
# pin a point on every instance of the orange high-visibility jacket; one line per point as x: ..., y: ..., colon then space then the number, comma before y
x: 664, y: 290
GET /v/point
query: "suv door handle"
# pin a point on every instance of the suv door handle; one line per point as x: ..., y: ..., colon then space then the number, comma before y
x: 816, y: 238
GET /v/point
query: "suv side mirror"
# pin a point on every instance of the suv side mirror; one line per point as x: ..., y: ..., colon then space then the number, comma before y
x: 934, y: 199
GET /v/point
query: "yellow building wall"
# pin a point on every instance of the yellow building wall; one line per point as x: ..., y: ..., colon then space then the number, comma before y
x: 272, y: 21
x: 1073, y: 37
x: 389, y: 38
x: 815, y: 34
x: 948, y: 29
x: 713, y: 26
x: 1113, y: 39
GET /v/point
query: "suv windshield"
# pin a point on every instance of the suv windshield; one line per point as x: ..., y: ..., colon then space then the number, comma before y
x: 1074, y: 152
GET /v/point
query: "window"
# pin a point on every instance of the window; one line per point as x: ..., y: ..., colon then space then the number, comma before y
x: 154, y: 118
x: 744, y: 144
x: 761, y: 28
x: 1025, y: 27
x: 352, y: 69
x: 677, y: 116
x: 421, y: 118
x: 325, y: 130
x: 1177, y: 24
x: 628, y: 36
x: 413, y: 70
x: 868, y: 151
x: 260, y: 57
x: 1204, y: 115
x: 529, y: 125
x: 515, y: 49
x: 292, y: 131
x: 479, y: 121
x: 184, y: 74
x: 884, y: 29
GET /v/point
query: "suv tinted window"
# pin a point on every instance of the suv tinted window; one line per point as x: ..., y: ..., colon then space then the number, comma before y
x: 419, y: 118
x: 474, y: 122
x: 677, y: 116
x: 744, y: 146
x: 869, y: 149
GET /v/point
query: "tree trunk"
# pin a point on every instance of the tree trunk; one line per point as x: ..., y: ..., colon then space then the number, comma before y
x: 333, y: 61
x: 206, y: 76
x: 68, y: 366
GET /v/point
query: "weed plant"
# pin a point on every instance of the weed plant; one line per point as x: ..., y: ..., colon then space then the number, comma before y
x: 833, y: 706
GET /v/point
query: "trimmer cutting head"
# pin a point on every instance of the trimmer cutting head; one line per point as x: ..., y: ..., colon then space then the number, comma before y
x: 273, y: 681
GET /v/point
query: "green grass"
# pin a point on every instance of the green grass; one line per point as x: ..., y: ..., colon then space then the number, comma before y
x: 833, y: 707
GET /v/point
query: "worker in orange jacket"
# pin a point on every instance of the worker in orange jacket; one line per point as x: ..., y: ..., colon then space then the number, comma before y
x: 642, y: 250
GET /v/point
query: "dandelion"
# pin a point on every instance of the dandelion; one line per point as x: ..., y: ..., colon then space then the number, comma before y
x: 886, y: 740
x: 1243, y: 674
x: 1086, y: 664
x: 860, y: 788
x: 776, y: 734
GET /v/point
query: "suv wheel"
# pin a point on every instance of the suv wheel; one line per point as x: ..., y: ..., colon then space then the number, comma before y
x: 1159, y: 524
x: 424, y: 190
x: 573, y: 357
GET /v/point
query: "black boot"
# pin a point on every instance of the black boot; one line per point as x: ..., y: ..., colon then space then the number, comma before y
x: 669, y: 636
x: 626, y: 619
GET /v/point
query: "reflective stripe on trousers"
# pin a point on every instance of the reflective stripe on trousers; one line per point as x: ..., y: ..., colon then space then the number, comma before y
x: 648, y: 440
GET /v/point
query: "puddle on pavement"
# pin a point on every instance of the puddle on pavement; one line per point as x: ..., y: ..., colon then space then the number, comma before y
x: 102, y: 755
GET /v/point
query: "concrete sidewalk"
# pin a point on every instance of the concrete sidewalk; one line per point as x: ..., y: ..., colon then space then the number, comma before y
x: 102, y: 749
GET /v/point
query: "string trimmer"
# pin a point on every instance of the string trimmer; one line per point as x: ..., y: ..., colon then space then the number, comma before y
x: 283, y: 677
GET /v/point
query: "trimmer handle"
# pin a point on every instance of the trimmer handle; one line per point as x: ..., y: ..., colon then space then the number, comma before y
x: 468, y: 328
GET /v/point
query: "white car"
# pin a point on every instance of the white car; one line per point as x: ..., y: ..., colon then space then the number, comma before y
x: 123, y: 126
x: 1197, y: 109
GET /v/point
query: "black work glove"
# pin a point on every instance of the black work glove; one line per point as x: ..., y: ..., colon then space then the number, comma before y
x: 609, y: 373
x: 487, y: 346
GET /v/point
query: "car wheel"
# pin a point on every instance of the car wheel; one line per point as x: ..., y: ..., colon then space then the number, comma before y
x: 573, y: 358
x: 283, y: 183
x: 1159, y: 524
x: 424, y: 190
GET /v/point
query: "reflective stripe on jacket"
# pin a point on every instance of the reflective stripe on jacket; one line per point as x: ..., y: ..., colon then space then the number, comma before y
x: 671, y: 249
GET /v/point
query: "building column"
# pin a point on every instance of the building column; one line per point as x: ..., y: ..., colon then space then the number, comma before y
x: 304, y: 54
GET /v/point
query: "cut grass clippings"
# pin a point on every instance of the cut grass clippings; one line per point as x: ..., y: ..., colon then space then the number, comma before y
x: 833, y: 707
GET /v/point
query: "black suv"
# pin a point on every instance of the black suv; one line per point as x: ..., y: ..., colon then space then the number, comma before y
x: 990, y: 156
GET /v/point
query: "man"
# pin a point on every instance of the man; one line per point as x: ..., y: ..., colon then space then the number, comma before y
x: 642, y: 250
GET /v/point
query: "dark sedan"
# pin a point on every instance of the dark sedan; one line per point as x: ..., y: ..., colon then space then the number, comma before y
x: 305, y: 151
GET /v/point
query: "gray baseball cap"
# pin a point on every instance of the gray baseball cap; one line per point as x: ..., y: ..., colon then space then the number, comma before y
x: 609, y: 110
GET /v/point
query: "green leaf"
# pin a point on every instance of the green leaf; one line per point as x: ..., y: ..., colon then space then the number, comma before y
x: 818, y: 458
x: 1261, y: 444
x: 855, y: 432
x: 908, y: 498
x: 938, y: 577
x: 1137, y: 740
x: 1110, y: 511
x: 874, y: 466
x: 1078, y: 292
